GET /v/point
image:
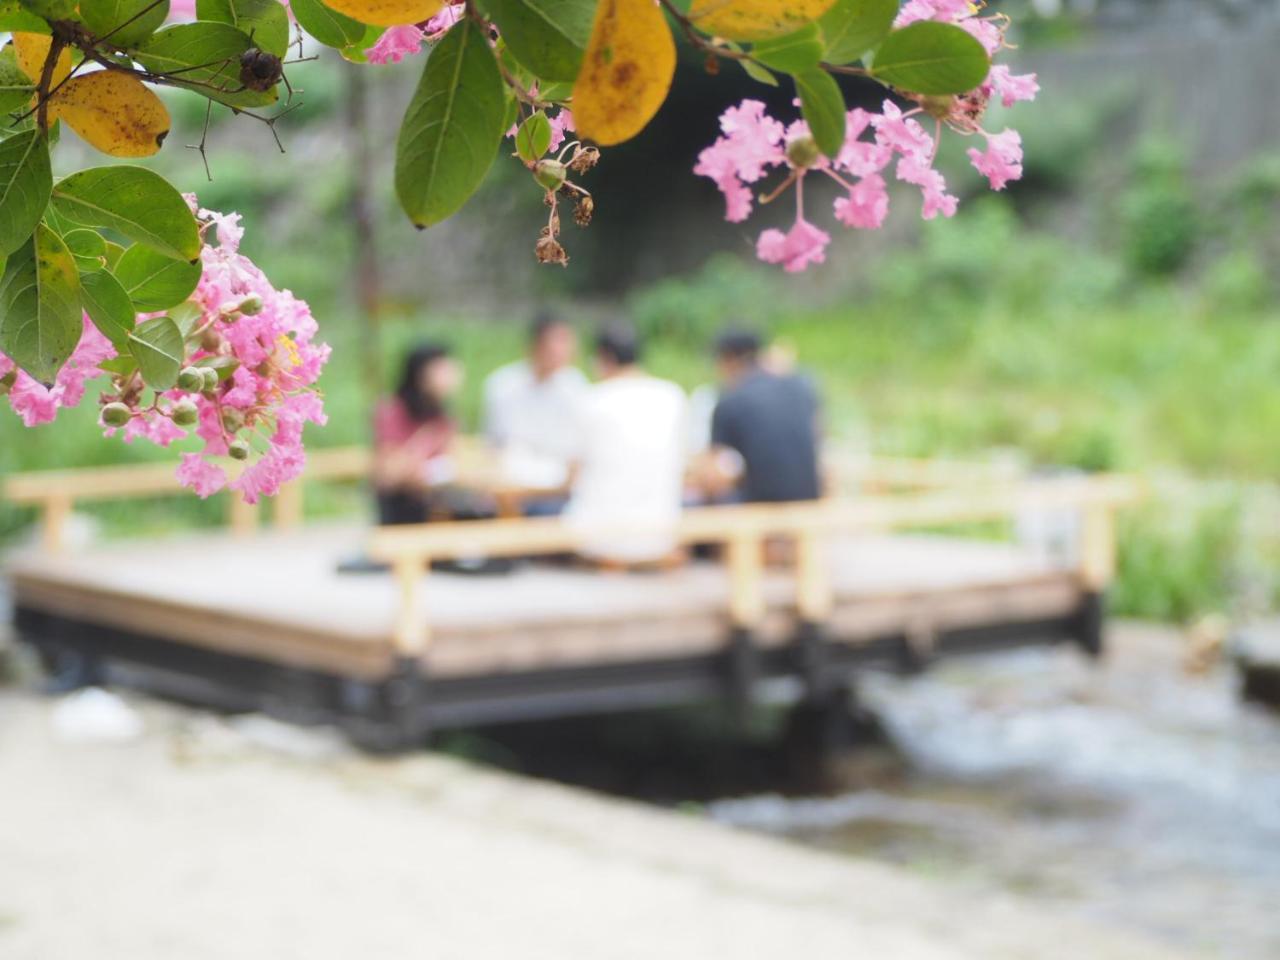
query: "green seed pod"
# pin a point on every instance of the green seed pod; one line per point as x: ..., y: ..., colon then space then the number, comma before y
x: 239, y: 450
x: 7, y: 381
x: 250, y: 305
x: 550, y: 174
x: 191, y: 378
x: 184, y: 413
x: 209, y: 378
x: 803, y: 152
x: 116, y: 414
x: 232, y: 419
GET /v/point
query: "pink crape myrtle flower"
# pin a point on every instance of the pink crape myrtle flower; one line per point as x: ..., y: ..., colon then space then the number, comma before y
x: 800, y: 246
x: 1001, y: 161
x: 38, y: 404
x: 405, y: 40
x: 751, y: 144
x: 395, y: 44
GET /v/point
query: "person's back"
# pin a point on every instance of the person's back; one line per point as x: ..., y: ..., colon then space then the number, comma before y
x: 530, y: 406
x: 771, y: 420
x: 631, y: 466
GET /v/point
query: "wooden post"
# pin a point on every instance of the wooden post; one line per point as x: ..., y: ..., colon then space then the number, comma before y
x: 287, y: 510
x: 242, y: 516
x: 746, y: 579
x: 1098, y: 547
x: 411, y: 631
x: 813, y: 581
x: 57, y: 510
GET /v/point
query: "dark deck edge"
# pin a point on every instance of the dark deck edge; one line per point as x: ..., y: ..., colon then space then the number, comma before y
x: 402, y: 707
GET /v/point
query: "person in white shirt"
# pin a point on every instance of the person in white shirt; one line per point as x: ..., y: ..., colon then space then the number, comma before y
x: 630, y: 467
x: 531, y: 406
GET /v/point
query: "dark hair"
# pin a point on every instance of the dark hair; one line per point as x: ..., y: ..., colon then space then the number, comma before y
x: 617, y: 341
x: 543, y: 321
x: 738, y: 344
x: 421, y: 406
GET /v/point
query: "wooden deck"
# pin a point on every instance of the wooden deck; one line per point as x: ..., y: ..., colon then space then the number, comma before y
x: 281, y: 598
x: 268, y: 622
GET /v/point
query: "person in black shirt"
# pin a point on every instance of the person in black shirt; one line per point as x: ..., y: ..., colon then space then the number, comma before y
x: 769, y: 419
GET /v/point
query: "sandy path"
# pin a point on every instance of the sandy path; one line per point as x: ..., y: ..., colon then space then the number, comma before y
x: 199, y: 842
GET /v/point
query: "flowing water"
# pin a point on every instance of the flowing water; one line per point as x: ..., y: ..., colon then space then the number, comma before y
x: 1127, y: 792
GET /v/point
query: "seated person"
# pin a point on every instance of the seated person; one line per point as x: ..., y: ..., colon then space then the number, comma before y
x: 412, y: 434
x: 764, y: 431
x: 630, y: 466
x: 530, y: 406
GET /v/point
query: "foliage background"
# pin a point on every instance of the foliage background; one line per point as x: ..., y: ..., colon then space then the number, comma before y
x: 1115, y: 310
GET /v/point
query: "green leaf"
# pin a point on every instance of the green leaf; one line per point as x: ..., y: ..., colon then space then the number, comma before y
x: 88, y: 247
x: 16, y: 90
x: 452, y: 128
x: 265, y: 21
x: 355, y: 52
x: 852, y: 27
x: 14, y: 18
x: 331, y: 28
x: 25, y: 182
x: 533, y: 138
x: 157, y: 346
x: 204, y: 57
x: 124, y: 364
x: 124, y: 23
x: 133, y: 201
x: 51, y: 9
x: 822, y: 106
x: 794, y: 52
x: 154, y: 281
x: 40, y: 316
x: 931, y: 58
x: 108, y: 306
x: 758, y: 73
x: 186, y: 315
x: 547, y: 36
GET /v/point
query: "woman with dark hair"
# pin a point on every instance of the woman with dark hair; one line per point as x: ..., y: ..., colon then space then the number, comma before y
x: 412, y: 433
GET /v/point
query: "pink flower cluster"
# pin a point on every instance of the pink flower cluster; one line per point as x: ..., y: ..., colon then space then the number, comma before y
x: 753, y: 144
x: 37, y: 404
x: 260, y: 339
x: 396, y: 43
x: 269, y: 395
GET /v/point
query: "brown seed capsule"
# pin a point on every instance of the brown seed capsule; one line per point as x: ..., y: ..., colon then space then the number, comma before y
x: 584, y: 159
x: 548, y: 250
x: 260, y: 70
x: 583, y: 209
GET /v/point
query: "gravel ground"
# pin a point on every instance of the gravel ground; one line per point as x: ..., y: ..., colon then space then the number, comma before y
x: 212, y: 838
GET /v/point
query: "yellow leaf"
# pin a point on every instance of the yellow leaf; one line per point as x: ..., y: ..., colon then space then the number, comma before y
x: 626, y: 71
x: 32, y: 50
x: 114, y: 112
x: 387, y: 13
x: 754, y: 19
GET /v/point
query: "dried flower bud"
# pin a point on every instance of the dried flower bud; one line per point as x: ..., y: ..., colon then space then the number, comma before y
x: 803, y: 152
x: 549, y: 174
x: 184, y: 413
x: 583, y: 209
x: 548, y: 250
x: 209, y: 380
x: 584, y: 159
x: 211, y: 340
x: 116, y: 415
x: 238, y: 449
x: 191, y: 378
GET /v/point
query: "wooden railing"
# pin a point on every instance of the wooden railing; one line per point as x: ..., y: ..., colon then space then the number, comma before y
x: 743, y: 530
x: 55, y: 493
